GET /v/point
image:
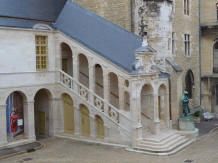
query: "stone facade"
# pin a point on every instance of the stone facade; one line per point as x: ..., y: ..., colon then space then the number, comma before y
x: 116, y: 11
x: 111, y: 93
x: 186, y: 24
x: 208, y: 25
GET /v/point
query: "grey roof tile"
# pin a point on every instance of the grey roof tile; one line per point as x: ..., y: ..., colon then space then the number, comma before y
x: 47, y: 10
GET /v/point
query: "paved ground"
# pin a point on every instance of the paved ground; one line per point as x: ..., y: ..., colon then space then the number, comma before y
x: 57, y: 150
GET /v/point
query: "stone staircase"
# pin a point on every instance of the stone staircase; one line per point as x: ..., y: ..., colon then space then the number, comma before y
x: 166, y: 143
x: 99, y: 104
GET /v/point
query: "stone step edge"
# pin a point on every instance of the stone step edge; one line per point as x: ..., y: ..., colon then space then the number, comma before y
x: 147, y: 141
x: 175, y: 141
x: 163, y: 149
x: 180, y: 148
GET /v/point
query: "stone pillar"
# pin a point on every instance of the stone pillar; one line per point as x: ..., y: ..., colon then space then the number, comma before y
x: 156, y: 121
x: 3, y: 125
x: 121, y: 92
x: 75, y: 68
x: 29, y: 120
x: 57, y: 116
x: 76, y: 119
x: 106, y: 87
x: 58, y: 55
x: 91, y: 82
x: 135, y: 109
x: 92, y: 126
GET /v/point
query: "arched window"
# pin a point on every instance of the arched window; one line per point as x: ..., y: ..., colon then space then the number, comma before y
x: 189, y: 83
x: 215, y: 58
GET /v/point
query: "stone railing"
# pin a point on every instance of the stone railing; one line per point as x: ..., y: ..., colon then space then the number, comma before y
x: 98, y: 103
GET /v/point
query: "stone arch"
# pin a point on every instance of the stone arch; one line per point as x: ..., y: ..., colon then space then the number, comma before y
x: 162, y: 102
x: 147, y: 101
x: 16, y: 115
x: 189, y: 83
x: 99, y: 127
x: 84, y: 120
x: 42, y: 109
x: 99, y: 85
x: 113, y: 89
x: 126, y: 101
x: 83, y: 70
x: 66, y: 59
x: 68, y: 109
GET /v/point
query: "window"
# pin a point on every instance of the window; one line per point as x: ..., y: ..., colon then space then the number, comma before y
x: 186, y: 7
x: 173, y: 43
x: 41, y: 52
x: 189, y: 83
x: 217, y: 10
x: 187, y: 45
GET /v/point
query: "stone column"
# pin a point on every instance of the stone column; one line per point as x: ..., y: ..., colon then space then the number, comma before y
x: 76, y: 119
x: 156, y: 121
x: 58, y: 55
x: 57, y: 116
x: 106, y: 87
x: 75, y: 69
x: 135, y: 109
x: 91, y: 83
x: 3, y: 125
x: 92, y: 126
x: 29, y: 120
x: 121, y: 92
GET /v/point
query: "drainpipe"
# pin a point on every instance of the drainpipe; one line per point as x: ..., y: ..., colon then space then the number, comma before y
x: 170, y: 107
x: 131, y: 16
x: 199, y: 30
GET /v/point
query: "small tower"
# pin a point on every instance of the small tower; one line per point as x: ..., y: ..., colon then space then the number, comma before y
x: 145, y: 57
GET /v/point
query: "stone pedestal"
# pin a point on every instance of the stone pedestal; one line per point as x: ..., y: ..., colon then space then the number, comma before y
x: 186, y: 123
x: 187, y: 126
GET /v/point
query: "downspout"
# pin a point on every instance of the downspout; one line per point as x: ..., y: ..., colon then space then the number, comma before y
x: 131, y: 16
x: 170, y: 107
x: 199, y: 30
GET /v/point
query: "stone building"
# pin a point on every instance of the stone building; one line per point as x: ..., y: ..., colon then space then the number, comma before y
x: 172, y: 28
x: 66, y: 72
x: 209, y: 46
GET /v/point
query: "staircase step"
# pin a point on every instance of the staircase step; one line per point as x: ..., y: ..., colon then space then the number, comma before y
x: 165, y: 147
x: 161, y: 142
x: 163, y: 153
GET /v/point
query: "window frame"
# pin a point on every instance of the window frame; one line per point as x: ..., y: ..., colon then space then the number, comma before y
x: 41, y: 51
x: 187, y: 44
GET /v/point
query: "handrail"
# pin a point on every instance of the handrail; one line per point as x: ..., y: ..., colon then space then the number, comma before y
x: 111, y: 114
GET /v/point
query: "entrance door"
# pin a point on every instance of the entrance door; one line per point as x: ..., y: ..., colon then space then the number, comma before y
x: 68, y: 114
x: 41, y: 116
x: 85, y: 122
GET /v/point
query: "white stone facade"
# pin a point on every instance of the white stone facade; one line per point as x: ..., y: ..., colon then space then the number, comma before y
x: 131, y: 106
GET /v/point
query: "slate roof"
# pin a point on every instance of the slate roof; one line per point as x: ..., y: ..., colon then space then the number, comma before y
x: 105, y: 38
x: 47, y: 10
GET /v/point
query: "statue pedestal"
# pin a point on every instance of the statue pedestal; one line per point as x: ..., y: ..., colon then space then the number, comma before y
x: 187, y: 126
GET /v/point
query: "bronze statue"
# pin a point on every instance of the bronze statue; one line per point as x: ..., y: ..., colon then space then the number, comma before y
x: 185, y: 102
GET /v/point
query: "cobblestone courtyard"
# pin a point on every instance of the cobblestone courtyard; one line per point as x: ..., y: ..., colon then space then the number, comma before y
x: 58, y: 150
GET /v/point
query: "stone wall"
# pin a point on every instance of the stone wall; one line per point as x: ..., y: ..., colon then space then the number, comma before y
x: 186, y: 24
x: 116, y: 11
